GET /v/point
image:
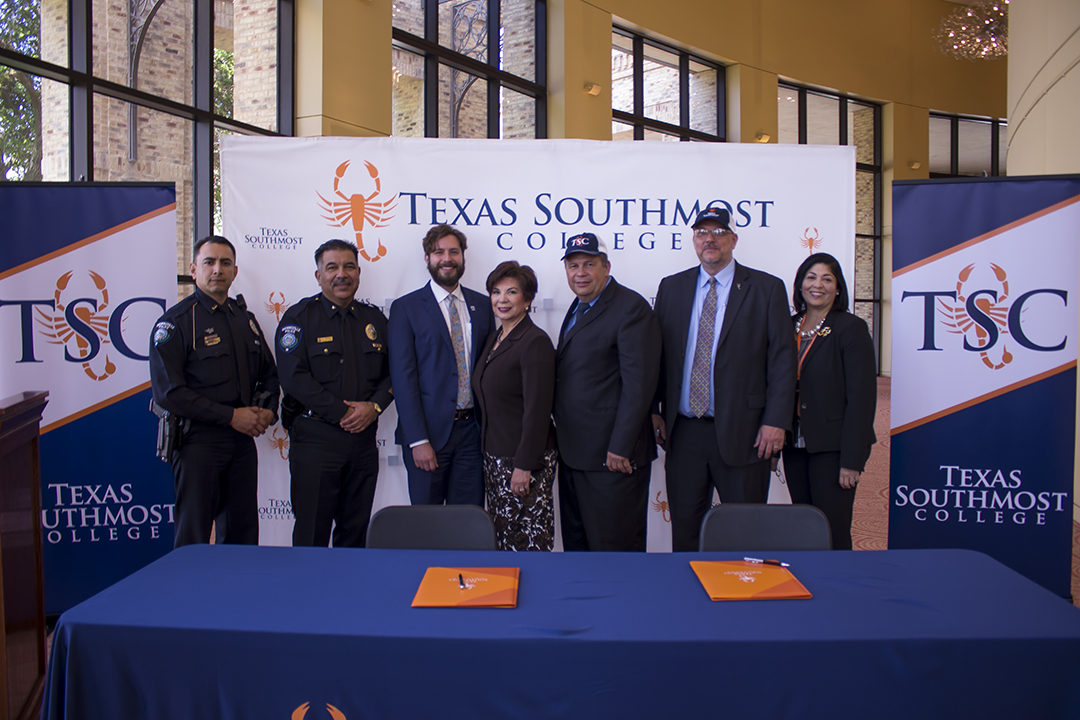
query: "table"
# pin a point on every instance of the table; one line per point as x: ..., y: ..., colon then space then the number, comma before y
x: 258, y: 632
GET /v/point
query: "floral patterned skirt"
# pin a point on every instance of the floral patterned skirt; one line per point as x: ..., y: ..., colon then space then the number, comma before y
x: 521, y: 523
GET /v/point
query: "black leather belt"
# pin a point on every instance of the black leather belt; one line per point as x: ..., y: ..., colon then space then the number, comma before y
x: 463, y: 414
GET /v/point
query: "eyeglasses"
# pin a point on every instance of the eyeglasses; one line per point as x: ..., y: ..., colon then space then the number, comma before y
x: 715, y: 232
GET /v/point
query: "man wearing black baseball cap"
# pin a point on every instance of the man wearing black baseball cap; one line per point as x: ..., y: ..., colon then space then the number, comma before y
x: 607, y: 364
x: 727, y: 390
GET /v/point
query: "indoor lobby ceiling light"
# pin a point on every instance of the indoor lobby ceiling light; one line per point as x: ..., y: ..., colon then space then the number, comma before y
x: 979, y: 31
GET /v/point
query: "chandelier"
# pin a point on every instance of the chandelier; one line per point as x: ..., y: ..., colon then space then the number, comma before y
x: 977, y: 32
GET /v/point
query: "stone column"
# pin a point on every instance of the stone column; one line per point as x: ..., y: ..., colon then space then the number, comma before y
x: 579, y: 52
x: 905, y: 145
x: 344, y: 80
x: 751, y: 101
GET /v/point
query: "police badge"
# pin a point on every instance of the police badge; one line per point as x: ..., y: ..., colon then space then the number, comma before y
x: 163, y: 332
x: 289, y: 337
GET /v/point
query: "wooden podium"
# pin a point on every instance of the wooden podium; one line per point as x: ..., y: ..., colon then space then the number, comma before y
x: 22, y: 600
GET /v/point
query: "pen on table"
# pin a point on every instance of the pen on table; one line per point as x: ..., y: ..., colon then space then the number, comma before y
x: 461, y: 582
x: 766, y: 562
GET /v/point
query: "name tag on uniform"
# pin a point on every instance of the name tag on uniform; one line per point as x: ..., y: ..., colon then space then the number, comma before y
x: 211, y: 340
x: 328, y: 338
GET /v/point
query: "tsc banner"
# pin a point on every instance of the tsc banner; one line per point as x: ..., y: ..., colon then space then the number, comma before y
x: 984, y: 369
x: 515, y: 200
x: 84, y: 272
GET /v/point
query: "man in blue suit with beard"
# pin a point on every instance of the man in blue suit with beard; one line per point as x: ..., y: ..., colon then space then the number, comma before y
x: 435, y: 335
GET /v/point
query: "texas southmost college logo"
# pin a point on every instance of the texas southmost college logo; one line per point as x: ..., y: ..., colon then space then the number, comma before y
x: 359, y: 210
x: 994, y: 321
x: 86, y: 321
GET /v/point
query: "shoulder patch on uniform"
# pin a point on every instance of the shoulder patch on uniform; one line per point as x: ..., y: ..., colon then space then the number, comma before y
x: 163, y: 332
x: 289, y: 337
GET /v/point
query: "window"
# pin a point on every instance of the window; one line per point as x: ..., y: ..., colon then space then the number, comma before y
x: 966, y: 147
x: 814, y: 117
x: 470, y: 68
x: 662, y: 93
x: 140, y: 90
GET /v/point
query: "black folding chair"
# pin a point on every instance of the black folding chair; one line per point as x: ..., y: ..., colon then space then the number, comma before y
x: 431, y: 527
x: 753, y: 527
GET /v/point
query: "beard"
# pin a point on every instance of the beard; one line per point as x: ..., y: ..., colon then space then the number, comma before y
x: 441, y: 278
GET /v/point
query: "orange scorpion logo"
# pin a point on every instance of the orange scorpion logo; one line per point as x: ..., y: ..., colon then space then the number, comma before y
x: 277, y: 307
x: 300, y: 712
x: 359, y: 209
x: 661, y: 506
x: 959, y: 322
x: 56, y: 329
x: 811, y: 243
x: 281, y: 444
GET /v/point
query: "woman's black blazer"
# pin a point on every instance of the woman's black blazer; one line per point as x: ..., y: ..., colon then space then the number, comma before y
x: 837, y: 393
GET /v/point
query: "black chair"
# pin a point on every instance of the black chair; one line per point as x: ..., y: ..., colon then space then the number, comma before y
x: 431, y: 527
x: 745, y: 528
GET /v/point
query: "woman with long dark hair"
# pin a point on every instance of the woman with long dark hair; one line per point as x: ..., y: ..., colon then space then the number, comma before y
x: 835, y: 396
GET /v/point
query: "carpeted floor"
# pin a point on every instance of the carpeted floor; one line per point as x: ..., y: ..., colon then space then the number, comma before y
x: 870, y: 527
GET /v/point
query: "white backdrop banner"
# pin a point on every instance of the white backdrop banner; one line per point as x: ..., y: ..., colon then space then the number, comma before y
x: 514, y: 200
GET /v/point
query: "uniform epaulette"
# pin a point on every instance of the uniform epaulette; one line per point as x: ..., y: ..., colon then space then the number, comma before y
x: 365, y: 303
x: 302, y: 303
x: 182, y: 307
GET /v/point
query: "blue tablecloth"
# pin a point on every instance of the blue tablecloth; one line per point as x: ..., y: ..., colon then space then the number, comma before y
x: 256, y: 632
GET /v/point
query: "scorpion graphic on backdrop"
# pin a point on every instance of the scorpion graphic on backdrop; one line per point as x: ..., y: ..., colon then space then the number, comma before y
x: 359, y: 209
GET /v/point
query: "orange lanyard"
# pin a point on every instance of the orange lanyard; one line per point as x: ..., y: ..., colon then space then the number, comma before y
x: 803, y: 353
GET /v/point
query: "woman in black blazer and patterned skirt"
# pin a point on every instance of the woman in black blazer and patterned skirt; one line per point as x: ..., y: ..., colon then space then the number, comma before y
x: 835, y: 397
x: 513, y: 389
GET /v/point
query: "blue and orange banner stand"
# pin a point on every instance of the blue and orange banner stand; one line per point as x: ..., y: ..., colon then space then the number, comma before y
x: 85, y: 270
x: 985, y: 330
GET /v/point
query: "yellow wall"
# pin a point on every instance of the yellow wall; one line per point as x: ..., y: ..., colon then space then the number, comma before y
x: 872, y: 49
x: 880, y: 50
x: 343, y: 67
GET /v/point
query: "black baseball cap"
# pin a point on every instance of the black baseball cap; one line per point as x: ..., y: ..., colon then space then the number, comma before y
x: 717, y: 215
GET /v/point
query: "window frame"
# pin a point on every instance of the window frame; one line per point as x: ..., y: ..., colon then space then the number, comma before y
x: 875, y: 168
x: 83, y: 86
x: 435, y: 55
x: 640, y: 122
x: 997, y: 126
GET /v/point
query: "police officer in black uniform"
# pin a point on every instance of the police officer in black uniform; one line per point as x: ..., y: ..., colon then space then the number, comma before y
x: 211, y: 366
x: 332, y: 354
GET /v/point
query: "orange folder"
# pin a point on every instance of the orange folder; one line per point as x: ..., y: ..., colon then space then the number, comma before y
x: 738, y: 580
x: 484, y: 587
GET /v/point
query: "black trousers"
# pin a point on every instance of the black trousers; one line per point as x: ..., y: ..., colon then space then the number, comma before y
x: 814, y: 479
x: 603, y: 510
x: 459, y: 479
x: 216, y: 472
x: 694, y: 467
x: 334, y: 473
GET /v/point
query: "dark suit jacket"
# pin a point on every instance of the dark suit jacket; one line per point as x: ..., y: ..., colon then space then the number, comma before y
x: 754, y: 372
x: 514, y: 391
x: 838, y: 391
x: 422, y: 363
x: 605, y: 376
